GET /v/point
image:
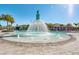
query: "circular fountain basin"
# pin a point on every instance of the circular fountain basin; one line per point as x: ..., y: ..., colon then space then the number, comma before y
x: 36, y: 37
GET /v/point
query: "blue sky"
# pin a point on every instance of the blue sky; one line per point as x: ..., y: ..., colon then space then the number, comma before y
x: 49, y: 13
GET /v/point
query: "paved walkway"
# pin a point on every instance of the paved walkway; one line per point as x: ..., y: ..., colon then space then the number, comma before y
x: 67, y: 47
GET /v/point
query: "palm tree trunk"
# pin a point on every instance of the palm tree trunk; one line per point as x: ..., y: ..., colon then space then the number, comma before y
x: 11, y: 24
x: 7, y: 23
x: 7, y: 26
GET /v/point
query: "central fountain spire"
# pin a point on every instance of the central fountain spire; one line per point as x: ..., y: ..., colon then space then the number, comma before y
x: 37, y: 15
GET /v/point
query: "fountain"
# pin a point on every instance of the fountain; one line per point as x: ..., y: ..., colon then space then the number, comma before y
x: 38, y: 25
x: 37, y: 33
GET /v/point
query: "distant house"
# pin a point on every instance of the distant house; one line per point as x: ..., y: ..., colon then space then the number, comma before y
x: 69, y: 27
x: 61, y: 27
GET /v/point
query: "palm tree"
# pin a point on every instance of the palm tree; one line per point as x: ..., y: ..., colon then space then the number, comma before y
x: 4, y: 17
x: 0, y: 18
x: 0, y: 24
x: 12, y: 21
x: 7, y: 18
x: 78, y: 24
x: 75, y: 24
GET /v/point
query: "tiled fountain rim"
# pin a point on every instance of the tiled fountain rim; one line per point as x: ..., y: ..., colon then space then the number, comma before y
x: 71, y: 39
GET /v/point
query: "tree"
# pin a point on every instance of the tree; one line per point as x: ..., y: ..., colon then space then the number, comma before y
x: 78, y: 24
x: 1, y: 20
x: 50, y: 25
x: 75, y: 24
x: 11, y: 20
x: 7, y: 18
x: 61, y: 24
x: 0, y: 17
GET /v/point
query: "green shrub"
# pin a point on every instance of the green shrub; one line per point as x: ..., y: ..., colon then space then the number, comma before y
x: 7, y: 30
